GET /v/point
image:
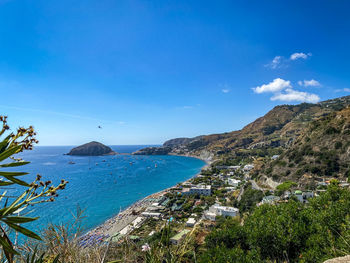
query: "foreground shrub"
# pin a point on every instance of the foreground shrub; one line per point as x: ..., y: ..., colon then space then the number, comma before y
x: 36, y: 192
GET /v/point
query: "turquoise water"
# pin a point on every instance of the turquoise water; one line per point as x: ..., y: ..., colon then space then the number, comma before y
x: 101, y: 185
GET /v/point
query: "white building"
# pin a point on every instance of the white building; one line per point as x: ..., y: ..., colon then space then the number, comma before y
x: 151, y: 214
x: 209, y: 215
x: 248, y: 167
x: 224, y: 167
x: 233, y: 182
x: 299, y: 195
x: 275, y: 157
x: 225, y: 210
x: 218, y: 210
x: 190, y: 222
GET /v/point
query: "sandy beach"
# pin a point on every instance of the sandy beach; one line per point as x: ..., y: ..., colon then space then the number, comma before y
x: 120, y: 222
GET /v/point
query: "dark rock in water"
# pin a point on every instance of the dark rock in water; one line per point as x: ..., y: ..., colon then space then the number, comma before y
x: 153, y: 151
x: 91, y: 149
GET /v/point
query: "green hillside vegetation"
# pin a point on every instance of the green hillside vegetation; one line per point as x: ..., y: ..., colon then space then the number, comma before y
x: 288, y: 232
x: 322, y: 151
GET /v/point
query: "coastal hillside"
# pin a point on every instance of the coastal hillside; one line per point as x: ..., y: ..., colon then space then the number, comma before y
x: 321, y: 151
x: 277, y: 129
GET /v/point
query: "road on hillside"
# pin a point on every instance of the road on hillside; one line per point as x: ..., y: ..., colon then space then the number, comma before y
x: 256, y: 186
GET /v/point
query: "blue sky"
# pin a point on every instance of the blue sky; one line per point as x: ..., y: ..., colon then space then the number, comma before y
x: 148, y: 71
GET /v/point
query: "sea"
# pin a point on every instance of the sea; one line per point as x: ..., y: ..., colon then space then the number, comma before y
x: 101, y: 186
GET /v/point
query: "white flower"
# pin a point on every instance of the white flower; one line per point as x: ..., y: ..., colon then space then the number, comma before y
x: 146, y: 247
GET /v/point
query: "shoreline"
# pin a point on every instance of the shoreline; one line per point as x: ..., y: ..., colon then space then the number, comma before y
x: 126, y: 220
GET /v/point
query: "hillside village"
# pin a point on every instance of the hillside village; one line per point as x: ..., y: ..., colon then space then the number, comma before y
x: 218, y: 192
x: 251, y: 170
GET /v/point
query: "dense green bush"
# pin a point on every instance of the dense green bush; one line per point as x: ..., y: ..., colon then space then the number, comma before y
x: 288, y: 232
x: 338, y: 145
x: 249, y: 199
x: 287, y: 185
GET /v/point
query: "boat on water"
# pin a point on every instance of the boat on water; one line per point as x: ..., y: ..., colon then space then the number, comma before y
x: 71, y: 162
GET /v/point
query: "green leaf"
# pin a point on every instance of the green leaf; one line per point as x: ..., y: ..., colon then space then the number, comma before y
x: 11, y: 151
x: 20, y: 219
x: 4, y: 174
x: 15, y: 180
x: 4, y: 183
x: 5, y: 143
x: 14, y: 164
x: 23, y: 230
x: 41, y: 259
x: 34, y: 254
x: 7, y: 247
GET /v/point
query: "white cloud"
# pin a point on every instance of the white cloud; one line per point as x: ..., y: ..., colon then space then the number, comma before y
x: 225, y: 88
x: 309, y: 83
x: 282, y: 90
x: 282, y: 62
x: 294, y: 95
x: 297, y: 55
x: 275, y: 63
x: 343, y: 90
x: 275, y: 86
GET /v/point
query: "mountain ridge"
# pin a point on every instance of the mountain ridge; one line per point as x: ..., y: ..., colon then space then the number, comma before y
x: 278, y: 127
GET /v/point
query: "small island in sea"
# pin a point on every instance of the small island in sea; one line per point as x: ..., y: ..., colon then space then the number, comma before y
x: 91, y: 149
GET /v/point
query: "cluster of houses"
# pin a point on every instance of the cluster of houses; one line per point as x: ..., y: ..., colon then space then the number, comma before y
x: 211, y: 214
x: 327, y: 182
x: 229, y: 179
x: 298, y: 194
x: 245, y: 168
